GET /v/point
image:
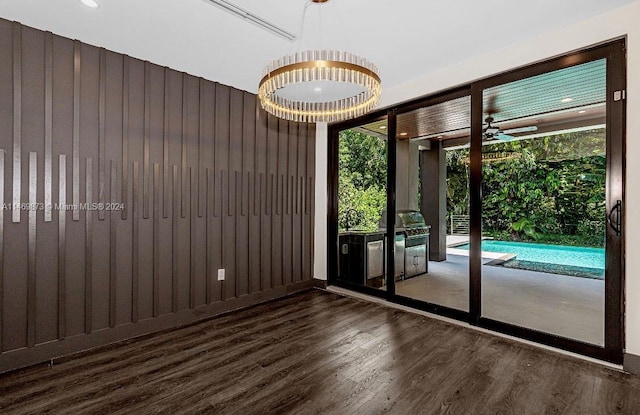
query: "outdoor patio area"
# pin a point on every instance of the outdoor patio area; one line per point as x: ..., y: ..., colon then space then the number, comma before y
x: 567, y: 306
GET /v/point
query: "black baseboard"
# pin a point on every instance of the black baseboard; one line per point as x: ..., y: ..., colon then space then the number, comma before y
x: 631, y: 363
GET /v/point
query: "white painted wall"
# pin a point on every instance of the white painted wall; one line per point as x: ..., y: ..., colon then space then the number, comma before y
x: 321, y: 211
x: 620, y: 22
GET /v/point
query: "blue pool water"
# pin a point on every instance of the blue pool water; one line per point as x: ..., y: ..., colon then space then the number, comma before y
x: 572, y: 256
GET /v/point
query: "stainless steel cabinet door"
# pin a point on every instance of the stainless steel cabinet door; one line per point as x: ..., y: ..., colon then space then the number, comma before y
x: 375, y: 259
x: 415, y: 260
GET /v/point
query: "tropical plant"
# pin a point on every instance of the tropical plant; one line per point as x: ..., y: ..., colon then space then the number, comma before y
x: 523, y: 225
x: 362, y: 178
x: 553, y: 192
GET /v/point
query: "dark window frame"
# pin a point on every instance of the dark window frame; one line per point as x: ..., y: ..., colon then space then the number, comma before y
x: 615, y: 53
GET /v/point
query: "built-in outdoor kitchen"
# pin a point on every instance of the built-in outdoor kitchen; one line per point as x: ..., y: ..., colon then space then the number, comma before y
x: 362, y: 251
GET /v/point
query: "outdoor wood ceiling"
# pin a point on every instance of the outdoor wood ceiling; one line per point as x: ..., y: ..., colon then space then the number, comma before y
x: 578, y: 86
x: 549, y: 101
x: 448, y: 117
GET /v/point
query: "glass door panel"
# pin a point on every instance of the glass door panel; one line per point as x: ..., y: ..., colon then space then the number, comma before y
x: 362, y: 198
x: 544, y: 202
x: 432, y: 201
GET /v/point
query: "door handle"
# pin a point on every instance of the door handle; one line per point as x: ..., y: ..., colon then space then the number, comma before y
x: 615, y: 217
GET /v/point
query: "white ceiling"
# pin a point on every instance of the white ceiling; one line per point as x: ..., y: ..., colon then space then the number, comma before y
x: 405, y: 39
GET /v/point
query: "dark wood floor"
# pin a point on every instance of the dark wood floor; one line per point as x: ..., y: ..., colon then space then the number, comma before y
x: 318, y: 352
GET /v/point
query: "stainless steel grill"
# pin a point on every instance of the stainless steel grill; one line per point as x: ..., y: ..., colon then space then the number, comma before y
x: 416, y: 234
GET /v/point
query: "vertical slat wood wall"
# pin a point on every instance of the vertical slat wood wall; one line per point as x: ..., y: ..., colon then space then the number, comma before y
x: 205, y: 179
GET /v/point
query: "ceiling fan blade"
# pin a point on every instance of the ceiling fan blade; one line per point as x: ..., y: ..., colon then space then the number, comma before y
x: 521, y: 130
x: 504, y: 137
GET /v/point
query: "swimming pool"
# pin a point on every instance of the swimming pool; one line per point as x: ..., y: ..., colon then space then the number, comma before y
x: 572, y: 256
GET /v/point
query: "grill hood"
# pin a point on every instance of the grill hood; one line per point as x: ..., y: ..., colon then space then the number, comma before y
x: 406, y: 219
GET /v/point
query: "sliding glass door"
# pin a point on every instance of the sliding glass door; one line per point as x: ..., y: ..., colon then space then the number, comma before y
x: 544, y: 202
x: 550, y: 142
x: 506, y: 198
x: 361, y: 202
x: 432, y: 202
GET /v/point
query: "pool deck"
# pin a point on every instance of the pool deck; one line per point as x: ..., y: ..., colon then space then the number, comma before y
x: 457, y: 240
x: 567, y: 306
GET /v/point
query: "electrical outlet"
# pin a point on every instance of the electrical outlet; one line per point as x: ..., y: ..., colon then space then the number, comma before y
x: 221, y: 274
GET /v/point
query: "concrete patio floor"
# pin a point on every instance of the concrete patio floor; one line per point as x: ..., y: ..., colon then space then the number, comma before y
x: 568, y: 306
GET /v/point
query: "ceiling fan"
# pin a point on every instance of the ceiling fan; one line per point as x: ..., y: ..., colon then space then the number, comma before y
x: 493, y: 132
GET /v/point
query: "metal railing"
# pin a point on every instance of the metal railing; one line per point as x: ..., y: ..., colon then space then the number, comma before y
x: 459, y: 224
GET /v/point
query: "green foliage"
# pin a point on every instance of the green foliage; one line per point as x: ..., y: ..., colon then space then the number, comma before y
x: 526, y: 226
x: 457, y: 183
x: 362, y: 178
x: 553, y: 192
x: 592, y: 232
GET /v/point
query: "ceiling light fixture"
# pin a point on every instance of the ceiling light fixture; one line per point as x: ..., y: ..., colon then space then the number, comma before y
x: 403, y: 134
x: 351, y: 85
x: 565, y: 100
x: 90, y: 3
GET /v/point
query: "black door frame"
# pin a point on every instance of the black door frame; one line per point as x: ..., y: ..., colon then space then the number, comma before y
x: 615, y: 53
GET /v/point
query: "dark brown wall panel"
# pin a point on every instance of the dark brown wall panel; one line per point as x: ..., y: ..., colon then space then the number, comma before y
x: 16, y: 39
x: 135, y: 243
x: 260, y: 146
x: 6, y: 130
x: 278, y: 267
x: 270, y: 251
x: 113, y: 240
x: 292, y: 193
x: 233, y: 218
x: 88, y: 244
x: 14, y: 305
x: 36, y: 99
x: 221, y: 165
x: 2, y: 201
x: 261, y: 202
x: 248, y: 168
x: 123, y: 266
x: 32, y: 247
x: 32, y: 98
x: 145, y: 266
x: 252, y: 269
x: 165, y: 178
x: 298, y: 175
x: 165, y: 249
x: 310, y: 141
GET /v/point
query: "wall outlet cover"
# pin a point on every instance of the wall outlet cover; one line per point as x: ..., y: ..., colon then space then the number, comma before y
x: 221, y: 274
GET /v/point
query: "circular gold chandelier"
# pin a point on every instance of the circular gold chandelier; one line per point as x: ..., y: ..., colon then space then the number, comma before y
x: 319, y: 86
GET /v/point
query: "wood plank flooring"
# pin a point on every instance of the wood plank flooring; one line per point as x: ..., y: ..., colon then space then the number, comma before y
x: 317, y: 353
